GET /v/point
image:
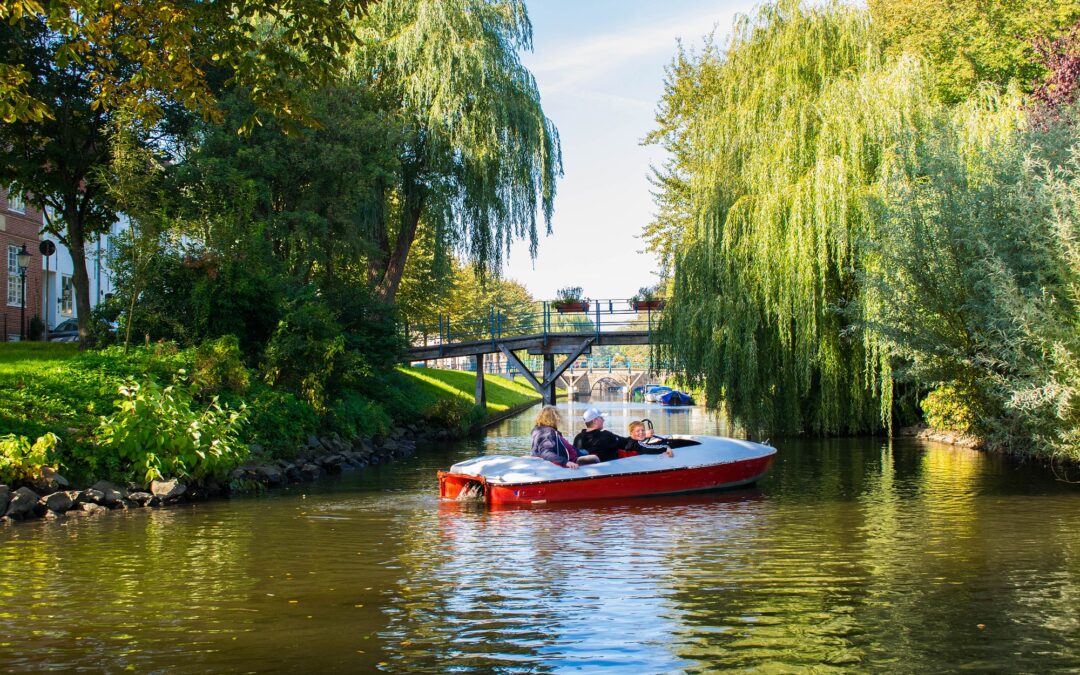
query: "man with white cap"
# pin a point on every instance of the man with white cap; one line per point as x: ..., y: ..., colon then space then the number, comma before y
x: 596, y: 440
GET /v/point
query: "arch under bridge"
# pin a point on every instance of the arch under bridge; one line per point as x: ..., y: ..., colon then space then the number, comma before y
x: 563, y: 331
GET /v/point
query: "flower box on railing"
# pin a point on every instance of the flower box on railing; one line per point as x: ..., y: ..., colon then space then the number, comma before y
x: 576, y: 306
x: 647, y: 305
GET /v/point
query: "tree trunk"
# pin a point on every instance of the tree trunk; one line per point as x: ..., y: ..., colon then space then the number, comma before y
x: 80, y: 279
x: 411, y: 210
x: 395, y: 266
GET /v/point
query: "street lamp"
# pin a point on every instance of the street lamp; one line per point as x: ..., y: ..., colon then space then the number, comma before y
x: 23, y: 257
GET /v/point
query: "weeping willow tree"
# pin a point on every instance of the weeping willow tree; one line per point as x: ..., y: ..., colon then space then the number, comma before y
x: 478, y: 158
x: 779, y: 142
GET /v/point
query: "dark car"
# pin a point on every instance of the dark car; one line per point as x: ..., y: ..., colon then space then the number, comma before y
x: 65, y: 331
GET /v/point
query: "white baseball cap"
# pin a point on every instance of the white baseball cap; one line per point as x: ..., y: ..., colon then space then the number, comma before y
x: 591, y: 414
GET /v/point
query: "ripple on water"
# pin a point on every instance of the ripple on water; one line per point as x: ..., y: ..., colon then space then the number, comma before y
x: 852, y: 556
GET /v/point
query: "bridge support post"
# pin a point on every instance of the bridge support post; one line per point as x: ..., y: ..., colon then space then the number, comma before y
x: 549, y: 384
x: 551, y: 374
x: 481, y: 394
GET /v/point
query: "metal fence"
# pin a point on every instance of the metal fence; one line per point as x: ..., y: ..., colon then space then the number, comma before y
x: 539, y: 318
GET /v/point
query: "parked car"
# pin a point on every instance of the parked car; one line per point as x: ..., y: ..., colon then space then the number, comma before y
x: 65, y: 331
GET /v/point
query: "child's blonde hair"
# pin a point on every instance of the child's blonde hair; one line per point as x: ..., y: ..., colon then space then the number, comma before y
x: 636, y: 425
x: 548, y: 417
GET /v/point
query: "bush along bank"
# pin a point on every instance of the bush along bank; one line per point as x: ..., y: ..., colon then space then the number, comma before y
x: 49, y: 496
x: 162, y: 425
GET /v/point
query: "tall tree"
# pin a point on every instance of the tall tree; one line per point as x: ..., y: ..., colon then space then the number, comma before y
x: 783, y: 138
x: 478, y: 158
x: 973, y: 41
x: 53, y: 160
x: 267, y: 46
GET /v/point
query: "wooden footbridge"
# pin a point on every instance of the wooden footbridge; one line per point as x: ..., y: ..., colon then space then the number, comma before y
x: 546, y: 329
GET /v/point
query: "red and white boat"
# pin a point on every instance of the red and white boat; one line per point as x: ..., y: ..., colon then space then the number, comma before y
x: 700, y: 463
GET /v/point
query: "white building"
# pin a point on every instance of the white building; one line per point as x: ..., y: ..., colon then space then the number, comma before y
x: 58, y: 293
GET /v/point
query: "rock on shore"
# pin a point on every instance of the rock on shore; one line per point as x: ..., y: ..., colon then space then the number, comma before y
x: 49, y: 497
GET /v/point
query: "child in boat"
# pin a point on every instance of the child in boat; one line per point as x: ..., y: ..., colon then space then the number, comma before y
x: 549, y: 444
x: 641, y: 442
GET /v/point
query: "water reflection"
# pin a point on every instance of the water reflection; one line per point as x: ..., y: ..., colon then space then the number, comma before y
x: 853, y: 555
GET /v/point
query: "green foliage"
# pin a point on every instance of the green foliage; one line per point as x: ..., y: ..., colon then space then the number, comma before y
x: 353, y: 415
x: 219, y: 366
x: 22, y: 461
x: 780, y: 141
x: 279, y: 421
x: 190, y: 295
x: 306, y: 354
x: 455, y: 414
x: 648, y: 293
x: 156, y: 433
x: 969, y: 42
x: 35, y: 328
x: 163, y: 54
x: 101, y: 325
x: 477, y: 156
x: 980, y: 273
x: 432, y: 288
x: 949, y: 408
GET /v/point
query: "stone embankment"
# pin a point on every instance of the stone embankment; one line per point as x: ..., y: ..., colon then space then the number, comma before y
x: 50, y: 496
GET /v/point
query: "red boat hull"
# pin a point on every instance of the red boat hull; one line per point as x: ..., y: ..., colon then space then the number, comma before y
x: 646, y: 483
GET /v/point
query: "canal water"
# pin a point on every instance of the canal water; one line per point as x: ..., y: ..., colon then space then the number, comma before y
x: 852, y: 555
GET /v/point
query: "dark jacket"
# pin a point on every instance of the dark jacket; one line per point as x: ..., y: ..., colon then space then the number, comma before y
x: 644, y: 447
x: 602, y: 443
x: 547, y: 443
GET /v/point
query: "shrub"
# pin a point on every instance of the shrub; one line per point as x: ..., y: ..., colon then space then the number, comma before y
x: 454, y: 414
x: 306, y: 353
x: 35, y: 329
x: 948, y: 408
x: 353, y: 415
x: 219, y: 366
x: 279, y: 421
x: 156, y: 433
x: 21, y: 460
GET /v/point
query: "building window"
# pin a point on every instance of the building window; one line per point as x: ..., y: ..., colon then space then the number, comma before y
x: 66, y: 293
x: 15, y: 203
x: 14, y: 286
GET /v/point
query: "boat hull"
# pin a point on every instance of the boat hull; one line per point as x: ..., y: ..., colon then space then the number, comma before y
x: 641, y: 484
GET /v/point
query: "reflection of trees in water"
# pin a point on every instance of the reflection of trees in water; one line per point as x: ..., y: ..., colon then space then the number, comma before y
x: 537, y: 589
x: 890, y: 563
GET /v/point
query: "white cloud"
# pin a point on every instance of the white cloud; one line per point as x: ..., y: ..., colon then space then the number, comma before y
x: 563, y: 66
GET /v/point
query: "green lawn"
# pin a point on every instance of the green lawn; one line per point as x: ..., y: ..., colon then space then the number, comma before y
x: 502, y: 394
x: 33, y: 358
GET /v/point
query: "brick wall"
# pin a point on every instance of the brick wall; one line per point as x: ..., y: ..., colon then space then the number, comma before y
x: 17, y: 229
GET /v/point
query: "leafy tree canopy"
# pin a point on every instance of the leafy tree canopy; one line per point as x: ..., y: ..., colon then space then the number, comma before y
x: 478, y: 156
x: 780, y: 142
x: 266, y: 46
x: 974, y: 41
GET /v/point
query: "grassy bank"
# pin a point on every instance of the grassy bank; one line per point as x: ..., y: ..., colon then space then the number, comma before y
x: 433, y: 385
x: 191, y: 413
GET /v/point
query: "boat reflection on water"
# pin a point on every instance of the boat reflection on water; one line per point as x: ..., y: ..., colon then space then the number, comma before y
x: 628, y: 506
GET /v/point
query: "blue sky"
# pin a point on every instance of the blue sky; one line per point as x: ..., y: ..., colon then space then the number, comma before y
x: 599, y: 65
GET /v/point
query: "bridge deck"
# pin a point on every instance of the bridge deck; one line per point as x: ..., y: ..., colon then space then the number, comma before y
x: 551, y: 342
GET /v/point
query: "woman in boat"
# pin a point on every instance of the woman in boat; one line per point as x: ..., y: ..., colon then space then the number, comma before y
x: 642, y: 442
x: 549, y: 444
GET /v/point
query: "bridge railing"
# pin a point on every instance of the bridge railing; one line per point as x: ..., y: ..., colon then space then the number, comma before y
x: 538, y: 318
x: 598, y: 365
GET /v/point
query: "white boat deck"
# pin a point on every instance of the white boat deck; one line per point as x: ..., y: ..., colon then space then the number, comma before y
x: 515, y: 470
